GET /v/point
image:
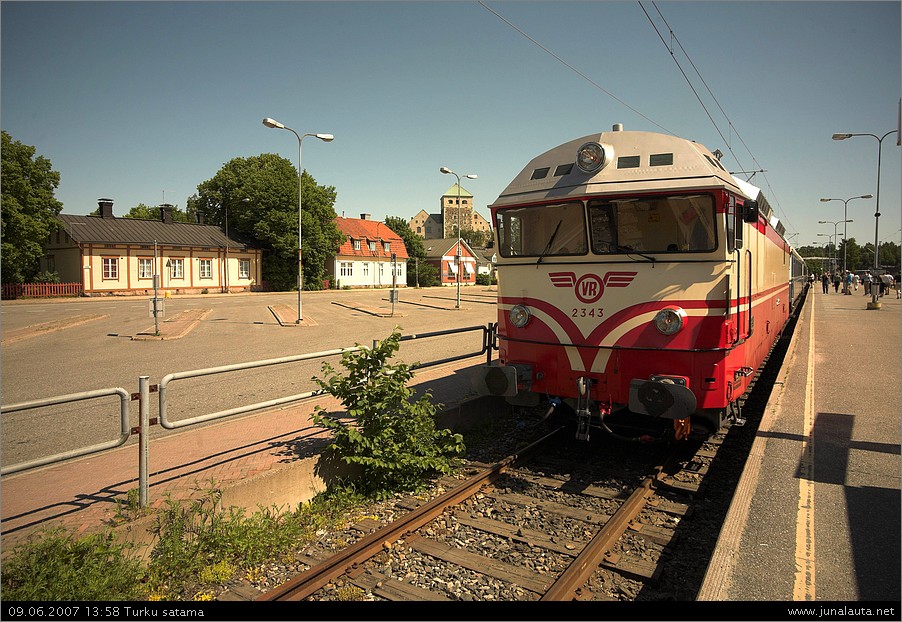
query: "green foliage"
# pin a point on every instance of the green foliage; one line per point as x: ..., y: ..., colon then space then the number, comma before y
x: 259, y: 197
x: 412, y: 242
x: 54, y: 566
x: 46, y: 277
x: 29, y: 210
x: 155, y: 213
x: 476, y: 239
x: 392, y: 437
x: 197, y: 545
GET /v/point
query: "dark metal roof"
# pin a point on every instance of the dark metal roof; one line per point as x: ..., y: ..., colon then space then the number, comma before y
x: 97, y: 230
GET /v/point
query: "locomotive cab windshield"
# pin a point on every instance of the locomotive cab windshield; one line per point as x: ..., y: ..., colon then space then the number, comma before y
x: 648, y: 224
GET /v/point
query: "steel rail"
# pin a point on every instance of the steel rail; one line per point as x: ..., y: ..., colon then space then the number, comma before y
x: 308, y: 582
x: 567, y: 586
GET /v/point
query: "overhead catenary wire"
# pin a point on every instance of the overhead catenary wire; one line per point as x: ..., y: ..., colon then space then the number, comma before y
x: 572, y: 68
x: 732, y: 128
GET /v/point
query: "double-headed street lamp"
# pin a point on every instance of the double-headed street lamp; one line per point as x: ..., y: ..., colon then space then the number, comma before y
x: 835, y: 224
x: 833, y: 252
x: 845, y: 214
x: 268, y: 122
x: 448, y: 171
x: 874, y: 304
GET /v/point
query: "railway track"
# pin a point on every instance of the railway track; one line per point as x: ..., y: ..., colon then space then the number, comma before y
x: 533, y: 526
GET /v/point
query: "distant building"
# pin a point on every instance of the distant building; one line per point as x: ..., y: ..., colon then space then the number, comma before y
x: 442, y: 254
x: 110, y: 255
x: 444, y: 224
x: 369, y: 257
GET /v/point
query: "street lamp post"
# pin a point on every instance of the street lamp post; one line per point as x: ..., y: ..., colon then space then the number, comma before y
x: 845, y: 214
x: 874, y: 304
x: 833, y: 252
x: 835, y: 224
x: 448, y: 171
x: 268, y: 122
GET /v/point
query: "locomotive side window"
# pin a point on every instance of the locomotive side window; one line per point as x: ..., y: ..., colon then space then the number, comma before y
x: 542, y: 231
x: 671, y: 224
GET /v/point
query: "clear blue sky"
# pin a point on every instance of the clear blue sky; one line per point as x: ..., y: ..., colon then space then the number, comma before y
x: 143, y: 101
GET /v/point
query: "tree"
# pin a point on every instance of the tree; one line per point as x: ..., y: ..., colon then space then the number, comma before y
x: 145, y: 212
x: 476, y: 239
x: 423, y: 273
x: 29, y: 209
x: 258, y: 195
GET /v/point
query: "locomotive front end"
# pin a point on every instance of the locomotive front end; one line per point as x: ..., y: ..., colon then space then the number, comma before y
x: 612, y: 283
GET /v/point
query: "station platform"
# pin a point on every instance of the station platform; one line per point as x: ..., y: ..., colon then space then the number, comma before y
x: 816, y: 515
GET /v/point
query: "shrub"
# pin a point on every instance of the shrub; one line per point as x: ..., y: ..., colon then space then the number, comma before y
x: 392, y: 437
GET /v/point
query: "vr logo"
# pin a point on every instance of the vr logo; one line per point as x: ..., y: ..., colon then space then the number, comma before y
x: 590, y: 287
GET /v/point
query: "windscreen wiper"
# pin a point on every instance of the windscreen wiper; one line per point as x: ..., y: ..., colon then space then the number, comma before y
x: 629, y: 250
x: 550, y: 240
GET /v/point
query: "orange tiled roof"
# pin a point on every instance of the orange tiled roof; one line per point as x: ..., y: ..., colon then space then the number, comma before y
x: 369, y: 231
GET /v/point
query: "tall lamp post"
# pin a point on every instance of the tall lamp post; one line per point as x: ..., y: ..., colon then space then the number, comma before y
x: 874, y: 304
x: 833, y: 252
x: 835, y: 224
x: 845, y: 214
x: 268, y: 122
x: 448, y: 171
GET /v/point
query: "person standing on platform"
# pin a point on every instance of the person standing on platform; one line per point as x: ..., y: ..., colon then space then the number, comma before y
x: 847, y: 284
x: 855, y: 281
x: 825, y: 281
x: 866, y: 279
x: 836, y: 281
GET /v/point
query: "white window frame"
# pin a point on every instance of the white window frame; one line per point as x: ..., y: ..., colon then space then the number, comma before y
x: 110, y: 268
x: 176, y: 268
x: 356, y: 245
x: 244, y: 268
x: 205, y: 268
x: 145, y: 268
x: 346, y: 268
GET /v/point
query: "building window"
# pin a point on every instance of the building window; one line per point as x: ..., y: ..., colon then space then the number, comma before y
x: 381, y: 269
x: 51, y: 263
x: 386, y: 246
x: 176, y: 268
x: 419, y: 230
x: 356, y: 245
x: 206, y: 268
x: 145, y: 268
x: 347, y: 268
x: 111, y: 268
x: 244, y: 268
x: 366, y: 269
x: 372, y: 246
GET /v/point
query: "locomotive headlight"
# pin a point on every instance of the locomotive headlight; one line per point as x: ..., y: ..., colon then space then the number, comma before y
x: 519, y: 316
x: 590, y: 157
x: 669, y: 321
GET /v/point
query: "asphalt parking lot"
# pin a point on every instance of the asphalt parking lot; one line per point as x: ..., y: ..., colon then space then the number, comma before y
x: 68, y: 346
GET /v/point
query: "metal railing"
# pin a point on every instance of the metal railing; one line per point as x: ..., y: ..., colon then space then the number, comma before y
x: 124, y: 431
x: 145, y: 388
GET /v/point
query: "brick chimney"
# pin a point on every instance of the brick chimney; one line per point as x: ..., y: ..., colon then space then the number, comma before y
x: 200, y: 218
x: 166, y: 213
x: 106, y: 208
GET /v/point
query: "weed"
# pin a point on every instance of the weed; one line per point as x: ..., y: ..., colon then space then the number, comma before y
x: 54, y: 566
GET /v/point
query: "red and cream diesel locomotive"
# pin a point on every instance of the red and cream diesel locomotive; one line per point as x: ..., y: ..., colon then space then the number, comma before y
x: 637, y: 276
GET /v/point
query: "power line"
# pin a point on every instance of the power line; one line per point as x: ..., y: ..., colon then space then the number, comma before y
x: 723, y: 112
x: 571, y: 67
